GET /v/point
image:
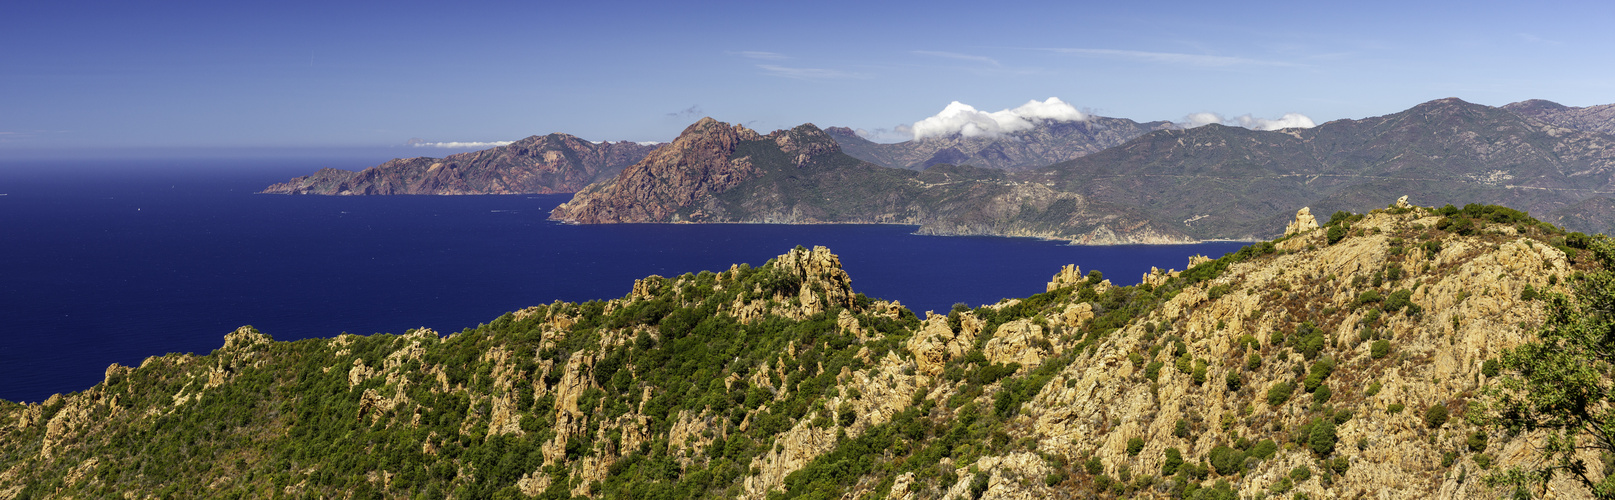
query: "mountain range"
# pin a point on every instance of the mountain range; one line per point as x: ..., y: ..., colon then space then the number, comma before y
x: 1120, y: 181
x: 1049, y: 142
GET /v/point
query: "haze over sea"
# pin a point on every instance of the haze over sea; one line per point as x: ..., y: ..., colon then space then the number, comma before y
x: 111, y: 261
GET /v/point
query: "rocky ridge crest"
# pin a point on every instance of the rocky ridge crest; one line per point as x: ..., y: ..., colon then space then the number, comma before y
x: 780, y: 378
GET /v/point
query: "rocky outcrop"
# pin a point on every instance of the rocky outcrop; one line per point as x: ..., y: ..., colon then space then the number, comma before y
x: 749, y: 381
x: 697, y: 164
x: 555, y: 163
x: 1068, y: 276
x: 1304, y: 221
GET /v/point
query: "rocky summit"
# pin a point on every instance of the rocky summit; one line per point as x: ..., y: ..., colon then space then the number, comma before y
x: 555, y: 163
x: 1346, y: 360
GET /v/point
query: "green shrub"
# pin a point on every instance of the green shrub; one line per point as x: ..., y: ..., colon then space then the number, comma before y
x: 1322, y: 395
x: 1476, y: 441
x: 1335, y: 234
x: 1490, y: 368
x: 1379, y: 348
x: 1402, y: 299
x: 1483, y: 460
x: 1135, y: 445
x: 1321, y: 370
x: 1264, y: 449
x: 1181, y: 428
x: 1054, y: 478
x: 1373, y: 389
x: 1322, y: 437
x: 1199, y: 374
x: 1300, y: 474
x: 1368, y: 297
x: 1232, y: 380
x: 1093, y: 466
x: 1435, y: 416
x: 1152, y: 371
x: 1529, y: 293
x: 1395, y: 408
x: 1174, y: 460
x: 1283, y: 485
x: 1227, y: 461
x: 1338, y: 465
x: 1253, y: 361
x: 1448, y: 458
x: 1278, y: 393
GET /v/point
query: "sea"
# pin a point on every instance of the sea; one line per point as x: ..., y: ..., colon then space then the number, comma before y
x: 113, y: 260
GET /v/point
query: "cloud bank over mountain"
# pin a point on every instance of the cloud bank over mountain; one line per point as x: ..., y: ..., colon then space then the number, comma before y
x: 960, y: 119
x: 964, y: 119
x: 1289, y: 120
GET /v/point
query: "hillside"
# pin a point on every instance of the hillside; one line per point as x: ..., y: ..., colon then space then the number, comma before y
x: 1228, y: 182
x: 554, y: 163
x: 1591, y: 118
x: 1047, y: 143
x: 1310, y: 365
x: 717, y: 172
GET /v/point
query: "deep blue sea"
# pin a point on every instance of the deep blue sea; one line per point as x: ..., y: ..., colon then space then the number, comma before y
x: 111, y: 261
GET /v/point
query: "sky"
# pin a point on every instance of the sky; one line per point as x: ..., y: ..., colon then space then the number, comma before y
x: 81, y: 75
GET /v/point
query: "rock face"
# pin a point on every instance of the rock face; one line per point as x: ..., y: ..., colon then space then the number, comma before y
x: 1304, y: 221
x: 749, y: 382
x: 1048, y: 143
x: 697, y: 164
x: 555, y: 163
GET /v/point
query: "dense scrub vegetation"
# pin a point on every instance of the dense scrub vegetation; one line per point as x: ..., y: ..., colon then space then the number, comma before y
x: 763, y: 382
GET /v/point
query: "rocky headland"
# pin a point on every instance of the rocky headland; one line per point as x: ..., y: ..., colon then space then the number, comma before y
x: 1316, y: 364
x: 554, y: 163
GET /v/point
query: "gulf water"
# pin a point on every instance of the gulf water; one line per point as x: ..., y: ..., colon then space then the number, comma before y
x: 111, y: 261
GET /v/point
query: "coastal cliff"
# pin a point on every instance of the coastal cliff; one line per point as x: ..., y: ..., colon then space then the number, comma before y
x: 1314, y: 364
x: 554, y: 163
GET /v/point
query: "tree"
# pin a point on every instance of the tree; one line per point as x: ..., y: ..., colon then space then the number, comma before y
x: 1561, y: 386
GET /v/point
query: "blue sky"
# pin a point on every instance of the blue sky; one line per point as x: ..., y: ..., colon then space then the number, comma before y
x: 78, y: 75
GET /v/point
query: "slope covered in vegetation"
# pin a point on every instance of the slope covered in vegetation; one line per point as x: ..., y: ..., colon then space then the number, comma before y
x: 1336, y: 362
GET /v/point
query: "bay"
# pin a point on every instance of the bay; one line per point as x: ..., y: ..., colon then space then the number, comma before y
x: 111, y: 261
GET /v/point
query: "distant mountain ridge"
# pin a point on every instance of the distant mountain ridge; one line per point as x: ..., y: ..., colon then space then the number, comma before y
x: 1591, y: 119
x: 718, y: 172
x: 554, y: 163
x: 1164, y: 185
x: 1229, y: 182
x: 1047, y: 143
x: 1210, y: 182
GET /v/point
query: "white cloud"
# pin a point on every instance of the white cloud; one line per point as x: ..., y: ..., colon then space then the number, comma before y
x: 458, y: 145
x: 963, y: 119
x: 808, y: 73
x: 1199, y: 120
x: 1289, y: 120
x: 958, y: 56
x: 647, y: 143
